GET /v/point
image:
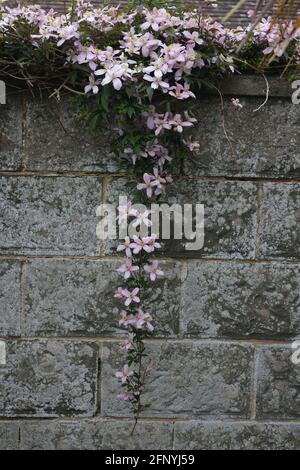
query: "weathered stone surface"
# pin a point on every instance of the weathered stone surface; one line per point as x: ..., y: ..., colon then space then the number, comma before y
x: 237, y: 300
x: 10, y: 298
x: 11, y: 134
x: 230, y: 216
x: 263, y: 143
x: 186, y: 379
x: 69, y: 297
x: 278, y: 384
x: 48, y: 379
x: 236, y: 436
x: 9, y: 435
x: 193, y: 375
x: 71, y: 145
x: 255, y: 85
x: 99, y: 434
x: 49, y: 215
x: 280, y: 217
x: 258, y: 139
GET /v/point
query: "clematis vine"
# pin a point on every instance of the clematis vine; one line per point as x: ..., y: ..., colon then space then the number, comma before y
x: 139, y: 70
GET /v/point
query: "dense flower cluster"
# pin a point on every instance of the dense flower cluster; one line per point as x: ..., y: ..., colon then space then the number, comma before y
x: 155, y: 59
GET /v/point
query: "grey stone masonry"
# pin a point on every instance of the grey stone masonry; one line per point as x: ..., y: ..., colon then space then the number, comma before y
x: 75, y: 298
x: 220, y: 368
x: 230, y: 216
x: 237, y: 436
x: 11, y: 134
x: 10, y: 298
x: 48, y: 216
x: 9, y: 435
x: 267, y: 147
x: 99, y: 434
x: 70, y: 146
x: 48, y: 379
x: 278, y: 385
x: 280, y: 221
x: 236, y: 300
x: 187, y: 379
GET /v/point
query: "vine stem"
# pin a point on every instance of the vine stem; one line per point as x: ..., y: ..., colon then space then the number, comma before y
x: 140, y: 347
x: 139, y: 407
x: 265, y: 78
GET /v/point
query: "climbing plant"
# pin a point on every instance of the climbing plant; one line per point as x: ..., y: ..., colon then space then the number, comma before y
x: 140, y: 67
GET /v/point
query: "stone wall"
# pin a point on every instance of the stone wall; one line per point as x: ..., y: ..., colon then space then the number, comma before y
x: 226, y: 315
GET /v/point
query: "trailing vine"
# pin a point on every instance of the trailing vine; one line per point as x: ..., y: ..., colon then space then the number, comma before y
x: 140, y: 68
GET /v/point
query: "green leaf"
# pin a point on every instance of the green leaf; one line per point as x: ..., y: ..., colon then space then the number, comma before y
x: 104, y: 97
x: 150, y: 93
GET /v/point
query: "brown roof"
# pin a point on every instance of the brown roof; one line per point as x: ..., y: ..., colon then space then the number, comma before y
x: 240, y: 17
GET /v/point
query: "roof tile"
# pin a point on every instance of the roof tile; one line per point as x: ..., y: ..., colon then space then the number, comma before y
x: 240, y: 17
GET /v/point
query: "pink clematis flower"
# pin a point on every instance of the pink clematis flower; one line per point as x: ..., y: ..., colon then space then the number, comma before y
x: 124, y: 375
x: 127, y: 268
x: 181, y: 92
x: 153, y: 243
x: 149, y: 185
x: 251, y: 13
x: 156, y: 82
x: 119, y: 293
x: 161, y: 153
x: 86, y: 54
x: 130, y: 153
x: 126, y: 211
x: 163, y: 159
x: 67, y: 33
x: 139, y: 244
x: 149, y: 45
x: 127, y: 343
x: 159, y: 67
x: 153, y: 20
x: 193, y: 38
x: 157, y: 177
x: 92, y: 86
x: 179, y: 123
x: 236, y: 103
x: 131, y: 296
x: 126, y: 319
x: 174, y: 53
x: 153, y: 270
x: 126, y: 246
x: 193, y: 146
x: 145, y: 243
x: 44, y: 33
x: 124, y: 396
x: 159, y: 181
x: 112, y: 75
x: 162, y: 122
x: 150, y: 116
x: 142, y: 218
x: 143, y: 320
